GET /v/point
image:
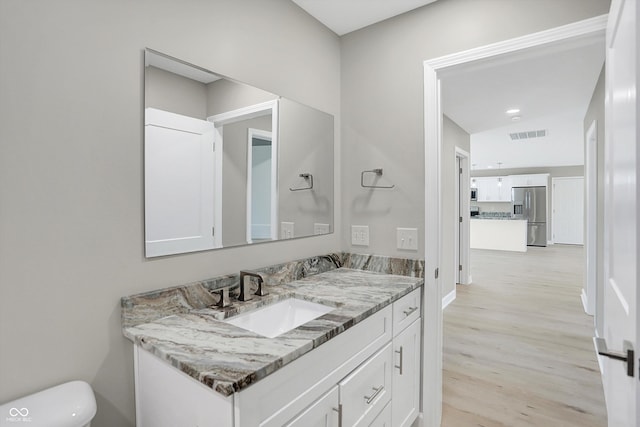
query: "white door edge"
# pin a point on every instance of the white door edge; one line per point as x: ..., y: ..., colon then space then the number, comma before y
x: 591, y: 217
x: 465, y: 272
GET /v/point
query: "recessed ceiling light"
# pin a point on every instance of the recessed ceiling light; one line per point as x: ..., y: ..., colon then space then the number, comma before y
x: 513, y: 111
x: 489, y: 167
x: 515, y: 118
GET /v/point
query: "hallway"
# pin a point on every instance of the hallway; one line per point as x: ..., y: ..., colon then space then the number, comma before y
x: 518, y: 347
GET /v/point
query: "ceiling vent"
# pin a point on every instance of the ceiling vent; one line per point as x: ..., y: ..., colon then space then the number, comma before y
x: 531, y: 134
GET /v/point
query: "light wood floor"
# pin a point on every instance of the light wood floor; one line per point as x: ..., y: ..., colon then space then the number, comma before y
x: 517, y: 344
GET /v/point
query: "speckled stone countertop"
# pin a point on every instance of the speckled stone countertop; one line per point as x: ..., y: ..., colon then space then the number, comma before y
x: 183, y: 326
x: 497, y: 218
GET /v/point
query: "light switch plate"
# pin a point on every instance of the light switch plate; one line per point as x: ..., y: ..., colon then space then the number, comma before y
x: 360, y: 235
x: 407, y: 239
x: 319, y: 228
x: 286, y: 230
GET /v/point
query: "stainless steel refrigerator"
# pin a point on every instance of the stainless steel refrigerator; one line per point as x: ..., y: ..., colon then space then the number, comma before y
x: 530, y: 203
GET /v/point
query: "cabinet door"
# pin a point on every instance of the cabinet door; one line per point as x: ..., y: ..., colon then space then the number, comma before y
x: 504, y: 188
x: 406, y: 376
x: 366, y: 391
x: 167, y: 397
x: 406, y: 310
x: 384, y: 419
x: 324, y: 412
x: 487, y: 190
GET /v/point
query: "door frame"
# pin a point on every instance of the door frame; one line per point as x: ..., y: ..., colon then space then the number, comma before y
x: 233, y: 116
x: 266, y: 135
x: 432, y: 298
x: 464, y: 208
x: 591, y: 220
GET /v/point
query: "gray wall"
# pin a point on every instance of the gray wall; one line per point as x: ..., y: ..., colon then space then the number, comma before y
x: 596, y: 112
x: 226, y: 95
x: 234, y: 178
x: 452, y: 136
x: 382, y: 99
x: 71, y: 217
x: 305, y: 141
x: 170, y: 92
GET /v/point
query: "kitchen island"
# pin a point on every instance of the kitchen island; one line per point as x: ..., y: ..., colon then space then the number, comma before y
x: 499, y: 233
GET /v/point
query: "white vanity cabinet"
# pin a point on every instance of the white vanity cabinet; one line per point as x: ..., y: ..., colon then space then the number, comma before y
x: 351, y: 380
x: 324, y: 412
x: 406, y: 351
x: 367, y: 390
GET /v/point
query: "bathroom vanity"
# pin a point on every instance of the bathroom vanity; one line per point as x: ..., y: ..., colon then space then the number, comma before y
x: 356, y: 365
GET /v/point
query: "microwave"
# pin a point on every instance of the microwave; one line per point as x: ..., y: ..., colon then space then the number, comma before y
x: 474, y: 194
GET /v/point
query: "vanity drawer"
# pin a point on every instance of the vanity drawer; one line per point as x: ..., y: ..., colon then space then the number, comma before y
x: 406, y: 310
x: 367, y: 390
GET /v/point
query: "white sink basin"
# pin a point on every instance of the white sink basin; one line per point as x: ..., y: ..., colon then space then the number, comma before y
x: 280, y: 317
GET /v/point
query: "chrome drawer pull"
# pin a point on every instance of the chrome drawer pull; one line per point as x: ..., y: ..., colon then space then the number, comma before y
x: 396, y: 366
x: 377, y: 391
x: 409, y: 311
x: 339, y: 411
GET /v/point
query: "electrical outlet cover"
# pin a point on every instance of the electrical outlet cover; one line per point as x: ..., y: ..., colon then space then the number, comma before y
x: 360, y: 235
x: 319, y: 228
x: 407, y: 239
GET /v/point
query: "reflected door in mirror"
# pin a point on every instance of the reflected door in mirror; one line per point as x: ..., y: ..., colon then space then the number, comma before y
x: 179, y: 183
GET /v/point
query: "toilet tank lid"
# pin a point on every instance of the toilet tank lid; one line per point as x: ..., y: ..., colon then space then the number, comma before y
x: 71, y: 404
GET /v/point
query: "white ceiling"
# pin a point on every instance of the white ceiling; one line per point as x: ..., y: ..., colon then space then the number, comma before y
x: 552, y: 86
x: 345, y: 16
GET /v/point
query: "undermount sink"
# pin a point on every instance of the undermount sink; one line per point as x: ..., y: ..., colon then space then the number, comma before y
x: 276, y: 319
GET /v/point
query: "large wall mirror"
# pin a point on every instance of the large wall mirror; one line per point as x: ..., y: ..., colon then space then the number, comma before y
x: 228, y: 164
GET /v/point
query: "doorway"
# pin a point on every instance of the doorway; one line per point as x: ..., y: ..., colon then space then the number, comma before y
x: 262, y: 170
x: 432, y: 374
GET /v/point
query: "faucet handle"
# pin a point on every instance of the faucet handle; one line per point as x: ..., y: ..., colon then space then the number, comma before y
x: 224, y: 297
x: 245, y: 295
x: 262, y: 291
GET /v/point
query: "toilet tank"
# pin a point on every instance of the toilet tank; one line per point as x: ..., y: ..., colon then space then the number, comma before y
x: 71, y: 404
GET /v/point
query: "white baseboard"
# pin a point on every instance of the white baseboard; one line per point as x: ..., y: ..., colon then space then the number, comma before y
x: 595, y: 347
x: 583, y: 297
x: 448, y: 299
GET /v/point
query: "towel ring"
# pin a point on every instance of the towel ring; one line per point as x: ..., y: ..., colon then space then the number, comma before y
x: 378, y: 172
x: 308, y: 177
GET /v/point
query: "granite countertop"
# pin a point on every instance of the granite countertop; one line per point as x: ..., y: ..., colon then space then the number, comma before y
x: 184, y: 329
x: 497, y: 218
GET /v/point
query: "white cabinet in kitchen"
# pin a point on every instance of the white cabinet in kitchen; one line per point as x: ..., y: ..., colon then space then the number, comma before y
x: 533, y: 180
x: 493, y: 188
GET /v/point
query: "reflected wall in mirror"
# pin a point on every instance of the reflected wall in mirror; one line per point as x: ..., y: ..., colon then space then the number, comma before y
x: 228, y: 164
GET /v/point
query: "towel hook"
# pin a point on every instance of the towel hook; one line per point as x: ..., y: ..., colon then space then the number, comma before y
x: 378, y: 172
x: 307, y: 177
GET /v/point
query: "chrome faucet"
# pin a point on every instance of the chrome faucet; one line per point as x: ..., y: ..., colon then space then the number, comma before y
x: 245, y: 295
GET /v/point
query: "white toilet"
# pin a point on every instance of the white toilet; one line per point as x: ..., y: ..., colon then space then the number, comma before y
x: 71, y: 404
